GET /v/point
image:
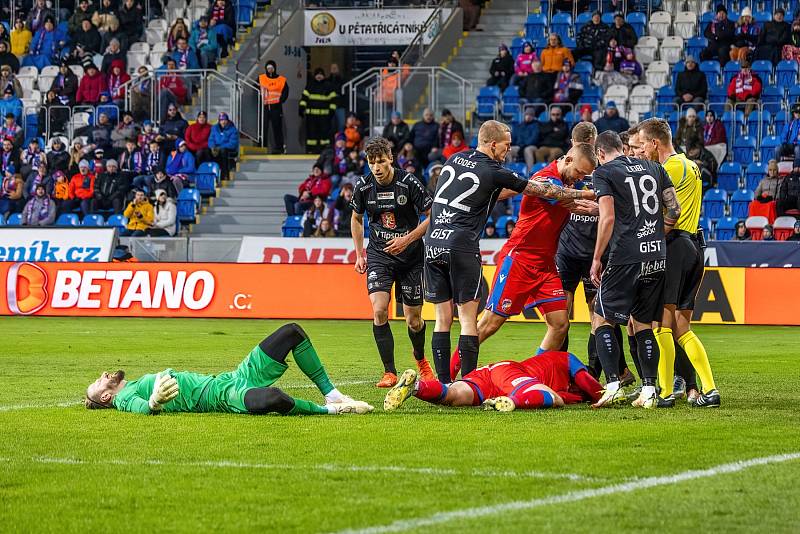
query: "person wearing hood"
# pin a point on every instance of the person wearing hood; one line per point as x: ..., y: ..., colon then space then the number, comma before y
x: 180, y: 164
x: 522, y: 65
x: 502, y: 68
x: 174, y: 125
x: 224, y: 144
x: 40, y: 209
x: 21, y: 38
x: 9, y: 79
x: 65, y: 84
x: 317, y: 105
x: 204, y: 39
x: 7, y: 58
x: 715, y: 140
x: 113, y: 53
x: 690, y: 131
x: 11, y: 104
x: 91, y: 85
x: 110, y: 189
x: 197, y: 137
x: 274, y: 92
x: 165, y: 216
x: 126, y: 129
x: 45, y: 46
x: 57, y: 157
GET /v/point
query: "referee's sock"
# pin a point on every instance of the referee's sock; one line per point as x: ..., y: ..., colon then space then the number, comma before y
x: 418, y: 342
x: 385, y: 342
x: 608, y: 352
x: 468, y: 347
x: 635, y: 355
x: 648, y: 356
x: 440, y: 349
x: 697, y: 355
x: 666, y: 361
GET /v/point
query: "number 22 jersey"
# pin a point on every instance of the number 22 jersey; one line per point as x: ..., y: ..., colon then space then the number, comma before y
x: 465, y: 196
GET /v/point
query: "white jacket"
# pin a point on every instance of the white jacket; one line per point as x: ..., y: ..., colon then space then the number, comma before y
x: 166, y: 216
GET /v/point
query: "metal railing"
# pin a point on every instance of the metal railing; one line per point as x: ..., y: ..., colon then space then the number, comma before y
x: 423, y: 41
x: 250, y: 55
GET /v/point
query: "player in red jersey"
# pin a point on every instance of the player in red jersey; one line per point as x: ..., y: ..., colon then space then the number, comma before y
x: 548, y: 380
x: 526, y: 275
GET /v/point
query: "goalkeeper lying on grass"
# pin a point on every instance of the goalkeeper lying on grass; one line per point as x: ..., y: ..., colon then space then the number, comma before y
x: 245, y: 390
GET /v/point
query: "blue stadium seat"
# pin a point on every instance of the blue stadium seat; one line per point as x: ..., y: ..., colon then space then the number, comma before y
x: 120, y: 221
x: 730, y: 70
x: 511, y: 101
x: 695, y: 45
x: 93, y: 220
x: 536, y: 26
x: 501, y: 224
x: 740, y: 203
x: 665, y: 99
x: 207, y: 178
x: 561, y: 24
x: 744, y: 149
x: 794, y: 94
x: 516, y: 203
x: 2, y: 220
x: 677, y: 68
x: 582, y: 20
x: 758, y: 123
x: 733, y: 121
x: 705, y: 224
x: 591, y: 95
x: 584, y: 69
x: 779, y: 120
x: 537, y: 167
x: 712, y: 71
x: 706, y: 19
x: 725, y: 229
x: 488, y: 97
x: 728, y: 176
x: 754, y: 173
x: 607, y: 18
x: 638, y: 21
x: 516, y: 46
x: 786, y: 73
x: 762, y: 16
x: 188, y: 204
x: 568, y: 42
x: 292, y: 226
x: 772, y: 97
x: 15, y: 219
x: 768, y: 145
x: 518, y: 167
x: 68, y: 219
x: 473, y: 143
x: 714, y: 203
x: 763, y: 68
x: 717, y: 99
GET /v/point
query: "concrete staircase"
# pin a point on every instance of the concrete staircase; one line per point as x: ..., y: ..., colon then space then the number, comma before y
x: 252, y: 203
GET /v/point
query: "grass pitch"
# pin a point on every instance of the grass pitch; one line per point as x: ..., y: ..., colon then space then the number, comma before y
x: 66, y: 469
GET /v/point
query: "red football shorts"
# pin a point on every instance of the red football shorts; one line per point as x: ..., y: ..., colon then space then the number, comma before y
x: 521, y: 283
x: 498, y: 379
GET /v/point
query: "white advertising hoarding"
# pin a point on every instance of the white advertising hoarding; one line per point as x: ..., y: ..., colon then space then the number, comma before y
x: 367, y: 27
x: 56, y: 244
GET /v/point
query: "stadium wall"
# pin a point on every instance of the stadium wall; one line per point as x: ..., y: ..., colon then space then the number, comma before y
x: 317, y: 291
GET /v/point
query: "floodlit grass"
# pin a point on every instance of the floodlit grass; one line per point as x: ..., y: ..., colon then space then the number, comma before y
x: 63, y: 468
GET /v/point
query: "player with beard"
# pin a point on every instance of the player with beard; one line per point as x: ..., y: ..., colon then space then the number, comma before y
x: 574, y: 259
x: 393, y: 201
x: 685, y: 266
x: 466, y: 192
x: 637, y: 208
x: 248, y: 389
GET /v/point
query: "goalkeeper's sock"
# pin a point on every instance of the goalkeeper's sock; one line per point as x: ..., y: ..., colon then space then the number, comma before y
x: 385, y: 342
x: 468, y: 347
x: 684, y: 369
x: 308, y: 361
x: 418, y: 342
x: 304, y: 407
x: 334, y: 396
x: 666, y: 361
x: 440, y: 348
x: 431, y: 391
x: 608, y: 352
x: 634, y: 350
x: 697, y: 355
x: 565, y: 343
x: 648, y: 356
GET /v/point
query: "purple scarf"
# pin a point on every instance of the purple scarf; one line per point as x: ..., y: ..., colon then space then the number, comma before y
x: 44, y: 208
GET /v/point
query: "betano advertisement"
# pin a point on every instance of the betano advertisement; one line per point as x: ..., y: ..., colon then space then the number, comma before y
x: 316, y: 291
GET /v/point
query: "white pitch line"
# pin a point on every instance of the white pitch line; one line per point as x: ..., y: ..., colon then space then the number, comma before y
x: 573, y: 496
x: 435, y: 471
x: 64, y: 404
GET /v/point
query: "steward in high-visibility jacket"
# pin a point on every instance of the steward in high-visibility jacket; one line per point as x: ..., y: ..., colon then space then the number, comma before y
x: 318, y: 106
x: 274, y: 92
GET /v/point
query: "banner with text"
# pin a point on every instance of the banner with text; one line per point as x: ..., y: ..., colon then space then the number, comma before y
x: 56, y: 244
x: 366, y: 27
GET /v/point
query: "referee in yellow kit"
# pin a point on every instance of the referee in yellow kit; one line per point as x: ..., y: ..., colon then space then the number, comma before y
x: 684, y: 265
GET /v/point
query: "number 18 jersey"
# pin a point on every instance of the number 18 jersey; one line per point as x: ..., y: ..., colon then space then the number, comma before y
x: 637, y: 186
x: 465, y: 195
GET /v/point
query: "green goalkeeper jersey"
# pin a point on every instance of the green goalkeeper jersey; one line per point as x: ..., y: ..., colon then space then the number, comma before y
x: 135, y: 395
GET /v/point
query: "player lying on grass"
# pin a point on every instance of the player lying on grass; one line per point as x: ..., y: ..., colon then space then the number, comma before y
x: 245, y: 390
x: 550, y: 379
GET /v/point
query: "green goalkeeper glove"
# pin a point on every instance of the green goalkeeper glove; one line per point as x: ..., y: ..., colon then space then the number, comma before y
x: 164, y: 390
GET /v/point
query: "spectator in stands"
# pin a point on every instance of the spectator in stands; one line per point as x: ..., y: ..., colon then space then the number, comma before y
x: 21, y: 38
x: 554, y: 55
x: 767, y: 234
x: 274, y: 91
x: 317, y: 184
x: 177, y: 31
x: 522, y: 65
x: 4, y: 33
x: 335, y: 161
x: 720, y: 34
x: 110, y: 189
x: 61, y: 191
x: 715, y: 139
x: 705, y: 162
x: 611, y: 120
x: 81, y: 13
x: 197, y: 135
x: 65, y: 84
x: 172, y: 88
x: 9, y: 156
x: 38, y: 176
x: 58, y: 157
x: 448, y: 126
x: 553, y: 137
x: 10, y: 104
x: 76, y: 154
x: 425, y: 136
x: 337, y: 81
x: 591, y: 41
x: 148, y: 135
x: 538, y: 87
x: 746, y: 36
x: 788, y: 201
x: 46, y: 46
x: 141, y: 91
x: 40, y: 209
x: 113, y: 53
x: 173, y: 127
x: 126, y: 129
x: 106, y: 20
x: 490, y: 231
x: 317, y: 212
x: 343, y: 211
x: 472, y: 14
x: 7, y: 59
x: 568, y: 86
x: 165, y: 216
x: 615, y: 54
x: 502, y: 69
x: 160, y: 180
x: 742, y: 232
x: 586, y: 114
x: 692, y: 85
x: 130, y: 160
x: 56, y: 111
x: 82, y: 188
x: 510, y: 225
x: 408, y: 155
x: 204, y: 40
x: 140, y: 215
x: 131, y: 21
x: 790, y: 139
x: 87, y: 40
x: 222, y: 17
x: 524, y: 137
x: 773, y: 37
x: 434, y: 170
x: 768, y: 187
x: 325, y: 229
x: 9, y: 80
x: 98, y: 164
x: 185, y: 58
x: 100, y: 136
x: 31, y: 157
x: 397, y: 131
x: 180, y: 163
x: 796, y: 233
x: 11, y: 130
x: 455, y: 146
x: 622, y: 32
x: 745, y: 87
x: 152, y: 162
x: 352, y: 133
x: 117, y: 78
x: 791, y: 50
x: 92, y: 84
x: 630, y: 69
x: 10, y: 191
x: 690, y: 131
x: 224, y: 144
x: 38, y: 13
x: 317, y: 106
